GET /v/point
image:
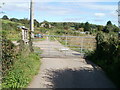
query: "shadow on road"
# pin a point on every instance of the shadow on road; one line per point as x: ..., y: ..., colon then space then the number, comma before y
x: 83, y: 78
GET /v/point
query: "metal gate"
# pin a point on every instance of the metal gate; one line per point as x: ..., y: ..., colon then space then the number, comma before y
x: 56, y: 46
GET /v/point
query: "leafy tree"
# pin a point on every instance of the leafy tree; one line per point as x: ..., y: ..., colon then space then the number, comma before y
x: 25, y: 21
x: 110, y: 28
x: 109, y: 23
x: 106, y: 29
x: 64, y: 24
x: 5, y: 17
x: 87, y: 27
x: 116, y: 29
x: 36, y: 23
x: 54, y: 24
x: 81, y: 25
x: 14, y: 19
x: 76, y: 26
x: 99, y: 28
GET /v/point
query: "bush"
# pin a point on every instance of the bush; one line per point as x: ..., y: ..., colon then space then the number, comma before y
x: 107, y: 55
x: 8, y: 55
x: 23, y: 70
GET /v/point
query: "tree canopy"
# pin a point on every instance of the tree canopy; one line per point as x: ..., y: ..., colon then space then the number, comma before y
x: 5, y: 17
x: 109, y: 23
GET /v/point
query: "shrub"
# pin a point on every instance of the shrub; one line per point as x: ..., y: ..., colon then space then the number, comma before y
x: 23, y: 70
x: 8, y: 55
x: 107, y: 55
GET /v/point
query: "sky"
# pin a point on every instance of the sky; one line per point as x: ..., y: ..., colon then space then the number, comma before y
x: 92, y: 11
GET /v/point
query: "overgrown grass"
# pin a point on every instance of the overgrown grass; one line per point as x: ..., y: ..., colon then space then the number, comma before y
x: 10, y: 30
x: 8, y: 21
x: 25, y: 67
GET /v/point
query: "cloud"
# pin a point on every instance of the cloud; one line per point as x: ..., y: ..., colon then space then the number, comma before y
x: 98, y: 6
x: 50, y: 8
x: 99, y: 14
x: 13, y: 6
x: 86, y: 10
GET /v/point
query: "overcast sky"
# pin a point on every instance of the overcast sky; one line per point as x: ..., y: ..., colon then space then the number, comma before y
x: 93, y: 11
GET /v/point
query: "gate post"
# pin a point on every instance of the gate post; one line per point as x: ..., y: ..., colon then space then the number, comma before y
x: 82, y: 45
x: 66, y: 46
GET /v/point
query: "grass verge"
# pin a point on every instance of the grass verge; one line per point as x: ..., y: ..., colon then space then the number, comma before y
x: 23, y: 70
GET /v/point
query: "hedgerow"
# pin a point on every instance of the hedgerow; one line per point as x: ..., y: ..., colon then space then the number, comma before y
x: 19, y: 65
x: 107, y: 55
x: 21, y: 73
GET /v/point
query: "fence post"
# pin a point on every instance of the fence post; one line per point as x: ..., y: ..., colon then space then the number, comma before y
x: 66, y: 46
x: 81, y: 45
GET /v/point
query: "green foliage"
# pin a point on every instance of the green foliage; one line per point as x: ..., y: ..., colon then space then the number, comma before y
x: 9, y: 25
x: 41, y: 30
x: 109, y: 23
x: 25, y: 22
x: 110, y: 28
x: 11, y: 35
x: 8, y: 55
x: 23, y: 70
x: 77, y: 27
x: 100, y: 27
x: 10, y: 30
x: 5, y: 17
x: 87, y: 27
x: 14, y: 20
x: 36, y: 23
x: 107, y: 55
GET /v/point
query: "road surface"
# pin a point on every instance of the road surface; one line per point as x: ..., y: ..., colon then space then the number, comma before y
x: 67, y: 72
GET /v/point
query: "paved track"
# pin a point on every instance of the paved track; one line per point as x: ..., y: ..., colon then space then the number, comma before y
x: 67, y: 71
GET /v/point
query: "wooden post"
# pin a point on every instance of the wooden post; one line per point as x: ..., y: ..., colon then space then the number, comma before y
x: 31, y: 33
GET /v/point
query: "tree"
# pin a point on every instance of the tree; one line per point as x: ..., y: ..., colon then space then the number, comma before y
x: 14, y: 20
x: 99, y: 28
x: 81, y: 25
x: 76, y: 26
x: 87, y: 27
x: 109, y: 23
x: 25, y: 21
x: 106, y: 29
x: 109, y: 27
x: 36, y: 23
x: 5, y: 17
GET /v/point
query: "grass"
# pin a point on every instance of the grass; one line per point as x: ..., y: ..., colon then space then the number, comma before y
x: 7, y: 21
x: 25, y: 67
x: 10, y: 30
x: 12, y: 35
x: 39, y: 39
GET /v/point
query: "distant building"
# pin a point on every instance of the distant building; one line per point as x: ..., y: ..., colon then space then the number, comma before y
x: 46, y: 25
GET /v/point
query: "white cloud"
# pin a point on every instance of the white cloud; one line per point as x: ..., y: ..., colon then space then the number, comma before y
x: 13, y: 6
x: 99, y: 14
x: 95, y: 6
